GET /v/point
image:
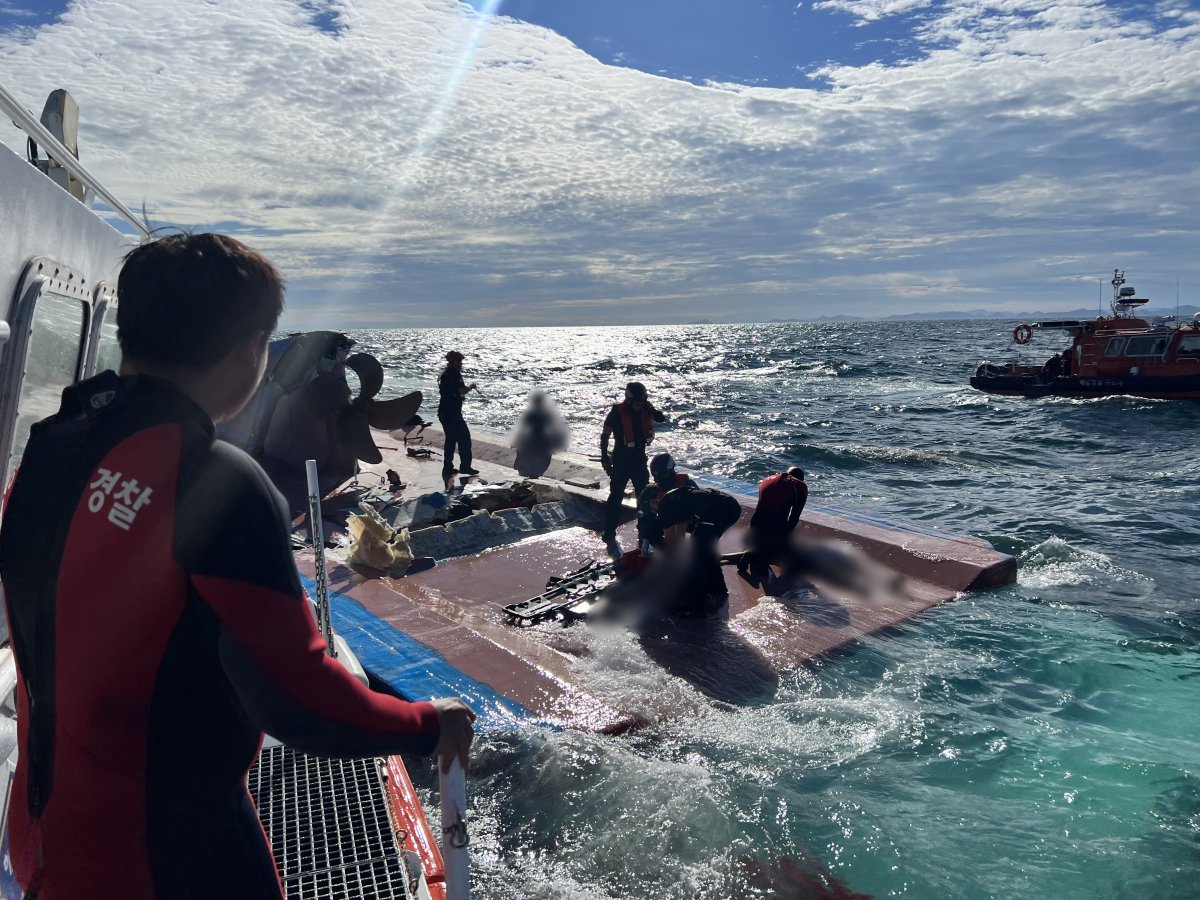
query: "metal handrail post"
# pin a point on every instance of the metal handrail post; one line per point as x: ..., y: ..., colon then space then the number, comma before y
x: 453, y: 790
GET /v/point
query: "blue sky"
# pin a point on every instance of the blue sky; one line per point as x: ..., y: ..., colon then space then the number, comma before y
x: 777, y: 44
x: 430, y: 162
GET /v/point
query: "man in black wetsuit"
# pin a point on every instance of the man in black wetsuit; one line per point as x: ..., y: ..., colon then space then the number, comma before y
x: 631, y: 426
x: 157, y: 618
x: 675, y: 505
x: 651, y: 534
x: 452, y: 389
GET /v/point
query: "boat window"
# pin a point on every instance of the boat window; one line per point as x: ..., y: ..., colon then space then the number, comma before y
x: 1115, y: 346
x: 103, y: 351
x: 1189, y: 345
x: 1147, y: 345
x: 108, y: 351
x: 52, y: 362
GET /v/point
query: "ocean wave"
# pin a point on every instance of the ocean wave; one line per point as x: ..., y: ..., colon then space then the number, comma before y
x: 1057, y: 563
x: 816, y: 368
x: 863, y: 455
x: 979, y: 710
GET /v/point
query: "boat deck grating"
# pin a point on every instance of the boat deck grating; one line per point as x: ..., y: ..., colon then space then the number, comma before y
x: 329, y: 827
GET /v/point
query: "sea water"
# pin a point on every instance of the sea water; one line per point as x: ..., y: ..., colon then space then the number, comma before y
x: 1037, y: 740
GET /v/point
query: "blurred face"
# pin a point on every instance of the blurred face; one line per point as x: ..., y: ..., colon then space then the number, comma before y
x: 637, y: 403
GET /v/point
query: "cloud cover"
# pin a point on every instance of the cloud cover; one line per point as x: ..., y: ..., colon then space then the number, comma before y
x: 413, y: 162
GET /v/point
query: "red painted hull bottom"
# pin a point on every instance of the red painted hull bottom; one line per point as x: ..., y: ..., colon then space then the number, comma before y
x: 564, y: 675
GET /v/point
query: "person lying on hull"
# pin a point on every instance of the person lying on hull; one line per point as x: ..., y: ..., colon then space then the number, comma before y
x: 673, y: 506
x: 837, y: 566
x: 157, y: 618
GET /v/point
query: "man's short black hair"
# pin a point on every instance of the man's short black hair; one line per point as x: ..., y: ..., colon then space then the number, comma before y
x: 187, y: 299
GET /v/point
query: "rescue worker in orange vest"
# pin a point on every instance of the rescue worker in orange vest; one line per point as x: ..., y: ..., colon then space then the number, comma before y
x: 631, y: 426
x: 674, y: 505
x: 781, y: 499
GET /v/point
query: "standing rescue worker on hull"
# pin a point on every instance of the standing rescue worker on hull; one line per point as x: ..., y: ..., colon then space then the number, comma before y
x: 157, y: 618
x: 631, y: 426
x: 452, y: 389
x: 781, y: 499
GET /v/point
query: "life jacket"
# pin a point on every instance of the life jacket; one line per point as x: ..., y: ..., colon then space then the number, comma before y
x: 650, y: 532
x: 681, y: 481
x: 626, y: 414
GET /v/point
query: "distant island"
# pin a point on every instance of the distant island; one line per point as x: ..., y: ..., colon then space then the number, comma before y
x: 1149, y: 312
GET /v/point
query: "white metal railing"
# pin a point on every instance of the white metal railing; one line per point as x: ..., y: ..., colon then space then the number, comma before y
x: 453, y: 790
x: 27, y: 122
x: 324, y: 623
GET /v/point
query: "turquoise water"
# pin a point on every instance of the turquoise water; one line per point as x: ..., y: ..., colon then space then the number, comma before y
x: 1039, y: 740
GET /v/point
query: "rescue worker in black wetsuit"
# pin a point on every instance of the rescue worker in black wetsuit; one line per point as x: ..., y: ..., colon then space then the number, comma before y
x: 157, y: 618
x: 673, y: 505
x: 781, y: 499
x: 452, y: 389
x: 631, y: 426
x: 651, y: 534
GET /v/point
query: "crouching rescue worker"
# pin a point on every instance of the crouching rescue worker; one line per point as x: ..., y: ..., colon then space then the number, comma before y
x: 781, y: 499
x: 675, y: 505
x: 157, y: 618
x: 630, y: 424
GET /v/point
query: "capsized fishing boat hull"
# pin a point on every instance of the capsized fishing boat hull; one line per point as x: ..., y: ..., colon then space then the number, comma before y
x: 444, y: 631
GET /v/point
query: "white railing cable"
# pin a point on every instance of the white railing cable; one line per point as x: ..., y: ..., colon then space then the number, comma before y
x: 318, y: 543
x: 27, y: 122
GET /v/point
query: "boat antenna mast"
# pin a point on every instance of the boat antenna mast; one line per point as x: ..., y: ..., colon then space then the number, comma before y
x: 1124, y: 299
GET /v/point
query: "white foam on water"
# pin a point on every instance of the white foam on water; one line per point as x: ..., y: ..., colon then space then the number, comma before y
x: 1056, y: 563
